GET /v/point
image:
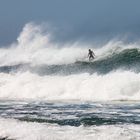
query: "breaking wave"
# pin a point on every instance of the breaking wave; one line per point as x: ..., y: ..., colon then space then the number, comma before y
x: 36, y: 68
x: 128, y: 59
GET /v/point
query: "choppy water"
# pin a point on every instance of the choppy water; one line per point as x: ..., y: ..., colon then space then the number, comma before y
x: 90, y: 119
x: 73, y: 114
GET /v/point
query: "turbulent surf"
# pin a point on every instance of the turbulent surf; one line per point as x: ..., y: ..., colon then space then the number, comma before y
x: 45, y: 87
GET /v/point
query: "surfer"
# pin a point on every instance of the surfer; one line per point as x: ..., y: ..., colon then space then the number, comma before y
x: 90, y: 54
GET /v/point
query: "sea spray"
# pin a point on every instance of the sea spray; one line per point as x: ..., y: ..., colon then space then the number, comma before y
x: 34, y: 46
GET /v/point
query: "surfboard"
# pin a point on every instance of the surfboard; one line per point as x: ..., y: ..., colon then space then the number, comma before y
x: 85, y: 62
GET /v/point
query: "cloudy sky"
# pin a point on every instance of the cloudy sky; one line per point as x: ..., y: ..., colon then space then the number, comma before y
x: 73, y: 19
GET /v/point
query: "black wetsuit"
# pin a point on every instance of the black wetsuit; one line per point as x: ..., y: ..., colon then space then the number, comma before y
x: 91, y: 55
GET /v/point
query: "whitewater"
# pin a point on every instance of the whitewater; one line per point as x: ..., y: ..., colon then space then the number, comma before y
x: 51, y: 91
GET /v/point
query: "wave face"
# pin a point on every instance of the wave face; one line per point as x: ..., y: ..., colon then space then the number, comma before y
x: 128, y: 59
x: 36, y: 68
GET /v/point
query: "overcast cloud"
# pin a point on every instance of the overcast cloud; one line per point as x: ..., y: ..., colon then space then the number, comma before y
x: 74, y: 19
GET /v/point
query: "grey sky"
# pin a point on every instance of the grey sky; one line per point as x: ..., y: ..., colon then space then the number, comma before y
x: 74, y: 19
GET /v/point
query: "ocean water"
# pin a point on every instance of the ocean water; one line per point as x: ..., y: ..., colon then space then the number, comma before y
x: 52, y: 92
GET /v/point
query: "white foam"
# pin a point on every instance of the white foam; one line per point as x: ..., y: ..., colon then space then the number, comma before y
x: 119, y: 85
x: 14, y: 129
x: 34, y: 46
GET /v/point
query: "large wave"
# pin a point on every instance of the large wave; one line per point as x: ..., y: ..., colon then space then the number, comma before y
x: 35, y: 47
x: 36, y: 68
x: 128, y: 59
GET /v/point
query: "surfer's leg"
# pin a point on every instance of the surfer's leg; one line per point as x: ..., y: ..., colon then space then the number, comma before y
x: 90, y: 58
